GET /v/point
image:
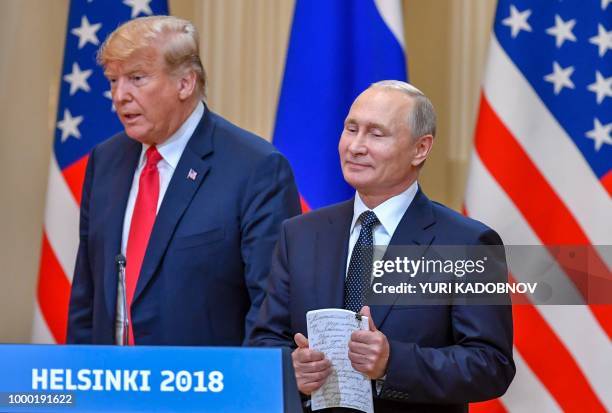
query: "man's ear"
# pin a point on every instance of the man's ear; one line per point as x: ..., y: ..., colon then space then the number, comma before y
x: 186, y: 84
x: 422, y: 147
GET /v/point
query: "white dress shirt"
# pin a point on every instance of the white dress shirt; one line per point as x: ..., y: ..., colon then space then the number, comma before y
x: 389, y: 214
x: 171, y: 151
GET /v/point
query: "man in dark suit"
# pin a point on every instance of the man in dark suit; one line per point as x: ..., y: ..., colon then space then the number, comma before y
x: 420, y: 358
x: 192, y: 202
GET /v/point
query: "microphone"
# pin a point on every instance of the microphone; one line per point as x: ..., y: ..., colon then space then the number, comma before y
x: 121, y: 317
x: 120, y: 261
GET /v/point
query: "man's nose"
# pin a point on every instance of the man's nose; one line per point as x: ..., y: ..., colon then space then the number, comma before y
x: 121, y: 92
x: 357, y: 145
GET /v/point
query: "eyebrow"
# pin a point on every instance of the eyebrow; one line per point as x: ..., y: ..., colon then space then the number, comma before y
x: 369, y: 125
x: 377, y: 126
x: 136, y: 68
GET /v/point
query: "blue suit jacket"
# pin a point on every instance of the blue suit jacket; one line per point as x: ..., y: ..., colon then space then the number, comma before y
x: 203, y: 275
x: 442, y: 357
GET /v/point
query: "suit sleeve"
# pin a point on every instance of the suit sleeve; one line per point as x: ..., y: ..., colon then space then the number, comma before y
x: 271, y: 198
x: 80, y: 310
x: 273, y: 327
x: 478, y: 366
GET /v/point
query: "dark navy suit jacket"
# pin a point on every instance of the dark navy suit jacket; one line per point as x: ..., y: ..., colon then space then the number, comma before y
x: 442, y: 357
x: 203, y: 275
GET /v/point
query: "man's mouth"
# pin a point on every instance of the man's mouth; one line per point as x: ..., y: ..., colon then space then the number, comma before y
x: 129, y: 117
x: 354, y: 164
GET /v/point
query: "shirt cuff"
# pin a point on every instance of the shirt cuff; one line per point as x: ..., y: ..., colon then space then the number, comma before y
x: 379, y: 384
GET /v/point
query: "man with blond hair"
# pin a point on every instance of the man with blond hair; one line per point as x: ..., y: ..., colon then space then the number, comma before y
x: 190, y: 202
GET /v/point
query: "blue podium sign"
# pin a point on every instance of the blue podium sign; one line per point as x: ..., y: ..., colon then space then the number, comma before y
x: 75, y: 379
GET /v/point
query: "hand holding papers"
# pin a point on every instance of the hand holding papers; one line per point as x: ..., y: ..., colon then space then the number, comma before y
x: 369, y: 349
x: 329, y: 331
x: 311, y: 367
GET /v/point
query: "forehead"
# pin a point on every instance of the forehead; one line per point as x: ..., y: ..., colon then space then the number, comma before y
x: 140, y: 60
x: 377, y: 105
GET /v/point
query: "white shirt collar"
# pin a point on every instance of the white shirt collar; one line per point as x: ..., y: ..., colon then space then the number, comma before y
x: 390, y: 212
x: 172, y: 149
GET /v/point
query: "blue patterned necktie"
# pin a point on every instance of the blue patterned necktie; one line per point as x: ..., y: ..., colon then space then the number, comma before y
x: 360, y: 266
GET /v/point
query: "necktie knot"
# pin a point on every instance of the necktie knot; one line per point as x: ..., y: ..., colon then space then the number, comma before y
x: 153, y: 157
x: 368, y: 219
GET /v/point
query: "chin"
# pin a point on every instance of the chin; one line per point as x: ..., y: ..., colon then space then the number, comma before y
x: 137, y: 135
x: 357, y: 181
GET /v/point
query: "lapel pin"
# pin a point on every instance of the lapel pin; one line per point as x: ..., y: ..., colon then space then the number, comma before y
x: 192, y: 174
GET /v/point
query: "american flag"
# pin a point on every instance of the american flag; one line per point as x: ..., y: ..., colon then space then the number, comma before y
x: 541, y: 174
x: 85, y: 117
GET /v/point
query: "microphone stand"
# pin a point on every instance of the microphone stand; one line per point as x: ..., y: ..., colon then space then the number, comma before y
x: 121, y: 318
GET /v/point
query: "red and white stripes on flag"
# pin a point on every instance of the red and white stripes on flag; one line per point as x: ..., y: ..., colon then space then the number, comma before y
x: 533, y: 179
x: 58, y: 252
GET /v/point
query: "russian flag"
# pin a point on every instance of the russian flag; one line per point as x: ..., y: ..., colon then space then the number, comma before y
x: 336, y: 50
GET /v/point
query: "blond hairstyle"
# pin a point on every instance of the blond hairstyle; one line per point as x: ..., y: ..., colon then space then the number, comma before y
x: 175, y: 39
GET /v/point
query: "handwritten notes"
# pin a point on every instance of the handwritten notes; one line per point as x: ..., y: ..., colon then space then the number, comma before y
x: 329, y: 331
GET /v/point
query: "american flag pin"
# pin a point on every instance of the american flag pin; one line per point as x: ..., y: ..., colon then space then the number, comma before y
x: 192, y: 175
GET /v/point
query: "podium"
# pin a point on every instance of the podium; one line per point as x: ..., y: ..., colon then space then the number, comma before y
x: 75, y: 379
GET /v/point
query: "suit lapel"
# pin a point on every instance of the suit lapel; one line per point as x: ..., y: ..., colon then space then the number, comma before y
x: 179, y: 194
x: 415, y: 228
x: 331, y: 252
x: 121, y: 182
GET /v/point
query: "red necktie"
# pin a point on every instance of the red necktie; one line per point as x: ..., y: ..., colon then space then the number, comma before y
x: 143, y: 218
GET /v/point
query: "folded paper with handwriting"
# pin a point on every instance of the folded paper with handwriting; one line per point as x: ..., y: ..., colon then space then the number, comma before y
x: 329, y: 331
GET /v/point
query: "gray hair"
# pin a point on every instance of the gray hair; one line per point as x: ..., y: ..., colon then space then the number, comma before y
x: 422, y: 120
